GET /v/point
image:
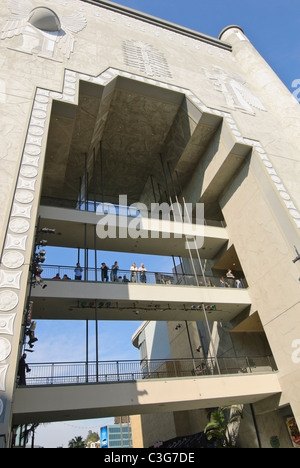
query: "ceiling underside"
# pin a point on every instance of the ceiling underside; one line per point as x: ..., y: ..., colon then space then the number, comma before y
x: 127, y: 138
x: 79, y: 309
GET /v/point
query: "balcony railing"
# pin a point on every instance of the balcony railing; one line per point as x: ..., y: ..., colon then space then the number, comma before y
x: 75, y: 373
x: 126, y: 276
x: 112, y: 208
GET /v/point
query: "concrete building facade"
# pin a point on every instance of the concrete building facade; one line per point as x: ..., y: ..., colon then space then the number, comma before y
x: 99, y: 101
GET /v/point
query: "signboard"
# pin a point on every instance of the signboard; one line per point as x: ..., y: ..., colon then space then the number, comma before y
x: 104, y: 437
x: 294, y: 431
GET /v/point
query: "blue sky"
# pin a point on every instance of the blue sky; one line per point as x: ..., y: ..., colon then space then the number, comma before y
x: 273, y: 28
x: 271, y: 25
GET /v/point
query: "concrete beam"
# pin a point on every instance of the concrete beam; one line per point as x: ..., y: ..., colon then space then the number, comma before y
x: 63, y: 403
x: 73, y: 228
x: 63, y: 300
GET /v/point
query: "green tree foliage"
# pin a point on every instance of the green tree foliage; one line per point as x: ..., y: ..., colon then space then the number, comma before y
x: 221, y: 425
x: 77, y: 442
x: 92, y: 437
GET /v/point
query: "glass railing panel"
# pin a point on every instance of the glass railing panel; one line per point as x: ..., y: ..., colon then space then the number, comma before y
x: 115, y: 209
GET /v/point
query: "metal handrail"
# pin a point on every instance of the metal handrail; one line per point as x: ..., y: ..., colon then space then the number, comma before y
x: 119, y: 210
x: 127, y: 276
x: 75, y: 373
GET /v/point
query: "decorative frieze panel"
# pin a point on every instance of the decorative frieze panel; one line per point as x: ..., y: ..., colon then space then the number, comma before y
x: 234, y: 89
x: 13, y: 259
x: 39, y: 30
x: 276, y: 181
x: 21, y: 210
x: 10, y: 279
x: 8, y: 300
x: 18, y: 226
x: 17, y: 239
x: 16, y: 242
x: 7, y: 323
x: 5, y: 349
x: 146, y: 59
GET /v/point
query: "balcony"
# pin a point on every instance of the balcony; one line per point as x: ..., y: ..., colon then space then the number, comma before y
x: 150, y: 277
x: 55, y: 392
x: 75, y: 373
x: 164, y: 296
x: 76, y: 228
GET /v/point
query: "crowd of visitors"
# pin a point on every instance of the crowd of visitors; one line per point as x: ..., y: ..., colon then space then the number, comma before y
x: 231, y: 281
x: 139, y: 275
x: 135, y: 273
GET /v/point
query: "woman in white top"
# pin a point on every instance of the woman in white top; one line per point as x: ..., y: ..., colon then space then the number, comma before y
x: 133, y: 270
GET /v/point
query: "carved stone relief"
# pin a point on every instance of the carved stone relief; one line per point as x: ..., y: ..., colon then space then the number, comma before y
x: 234, y: 90
x: 8, y: 300
x: 13, y: 258
x: 153, y: 30
x: 6, y: 323
x: 5, y: 349
x: 40, y: 31
x: 145, y: 58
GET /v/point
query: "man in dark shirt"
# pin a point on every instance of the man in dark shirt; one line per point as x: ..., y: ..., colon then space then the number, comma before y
x: 104, y: 270
x: 23, y: 367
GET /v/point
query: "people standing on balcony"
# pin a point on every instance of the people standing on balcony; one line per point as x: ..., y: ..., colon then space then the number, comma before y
x: 114, y: 271
x: 22, y: 369
x: 65, y: 277
x: 230, y: 277
x: 57, y: 277
x: 30, y: 332
x: 78, y: 272
x: 238, y: 283
x: 104, y: 272
x: 37, y: 278
x: 223, y: 283
x: 133, y: 275
x: 142, y: 271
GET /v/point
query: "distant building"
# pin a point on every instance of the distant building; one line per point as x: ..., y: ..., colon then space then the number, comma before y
x: 116, y: 436
x: 93, y: 445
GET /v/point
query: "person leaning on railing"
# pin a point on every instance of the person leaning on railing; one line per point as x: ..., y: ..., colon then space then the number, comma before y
x: 142, y: 271
x: 114, y: 271
x: 230, y: 277
x: 223, y: 283
x: 104, y: 272
x: 133, y: 273
x: 78, y: 272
